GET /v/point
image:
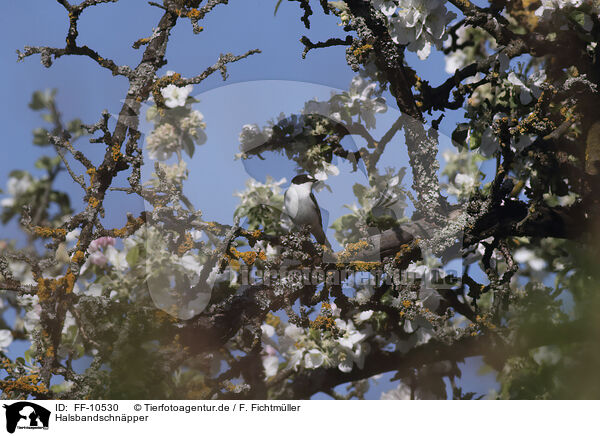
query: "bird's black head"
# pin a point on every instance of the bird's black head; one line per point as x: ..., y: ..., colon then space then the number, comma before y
x: 303, y: 178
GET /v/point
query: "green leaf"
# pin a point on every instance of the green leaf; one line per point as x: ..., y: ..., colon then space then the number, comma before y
x: 18, y: 174
x: 188, y: 145
x: 37, y: 101
x: 360, y: 192
x: 578, y: 17
x: 41, y: 100
x: 133, y: 255
x: 75, y: 128
x: 475, y: 140
x: 41, y: 136
x: 200, y: 137
x: 47, y: 163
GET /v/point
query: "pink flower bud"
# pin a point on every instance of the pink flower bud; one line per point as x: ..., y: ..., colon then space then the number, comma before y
x: 102, y: 242
x: 98, y: 258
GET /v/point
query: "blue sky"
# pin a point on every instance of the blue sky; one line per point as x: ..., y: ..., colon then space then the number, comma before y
x: 258, y: 89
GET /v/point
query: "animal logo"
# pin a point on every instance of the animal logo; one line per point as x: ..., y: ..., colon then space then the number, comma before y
x: 26, y: 415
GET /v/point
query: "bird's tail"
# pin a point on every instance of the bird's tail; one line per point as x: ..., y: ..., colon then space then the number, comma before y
x: 319, y: 235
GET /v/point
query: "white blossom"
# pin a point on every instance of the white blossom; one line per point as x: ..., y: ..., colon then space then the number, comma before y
x: 270, y: 360
x: 324, y: 108
x: 361, y: 100
x: 271, y: 365
x: 163, y: 142
x: 252, y: 137
x: 530, y: 90
x: 216, y: 277
x: 22, y: 272
x: 95, y: 290
x: 73, y: 235
x: 455, y: 60
x: 458, y: 58
x: 117, y: 258
x: 194, y: 124
x: 364, y: 294
x: 175, y: 173
x: 189, y: 263
x: 258, y: 193
x: 350, y: 340
x: 6, y: 339
x: 525, y: 255
x: 295, y: 358
x: 196, y: 235
x: 335, y: 311
x: 15, y: 187
x: 418, y: 24
x: 549, y: 7
x: 313, y: 358
x: 175, y: 96
x: 33, y: 310
x: 267, y: 330
x: 363, y: 316
x: 271, y: 252
x: 387, y: 7
x: 464, y: 184
x: 328, y: 169
x: 68, y: 323
x: 293, y: 333
x: 546, y: 354
x: 401, y: 392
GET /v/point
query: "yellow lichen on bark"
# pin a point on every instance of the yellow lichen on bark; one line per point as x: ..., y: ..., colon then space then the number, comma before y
x: 360, y: 265
x: 133, y: 224
x: 352, y: 249
x: 28, y: 384
x: 47, y: 287
x: 78, y: 257
x: 359, y: 51
x: 325, y: 320
x: 406, y: 248
x: 92, y: 173
x: 249, y: 257
x: 93, y: 202
x: 194, y: 13
x: 116, y: 152
x: 186, y: 245
x: 48, y: 232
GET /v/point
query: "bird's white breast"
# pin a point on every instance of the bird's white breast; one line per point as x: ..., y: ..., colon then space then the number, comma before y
x: 299, y: 206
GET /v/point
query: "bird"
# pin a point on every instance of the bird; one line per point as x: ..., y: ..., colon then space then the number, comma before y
x: 300, y: 204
